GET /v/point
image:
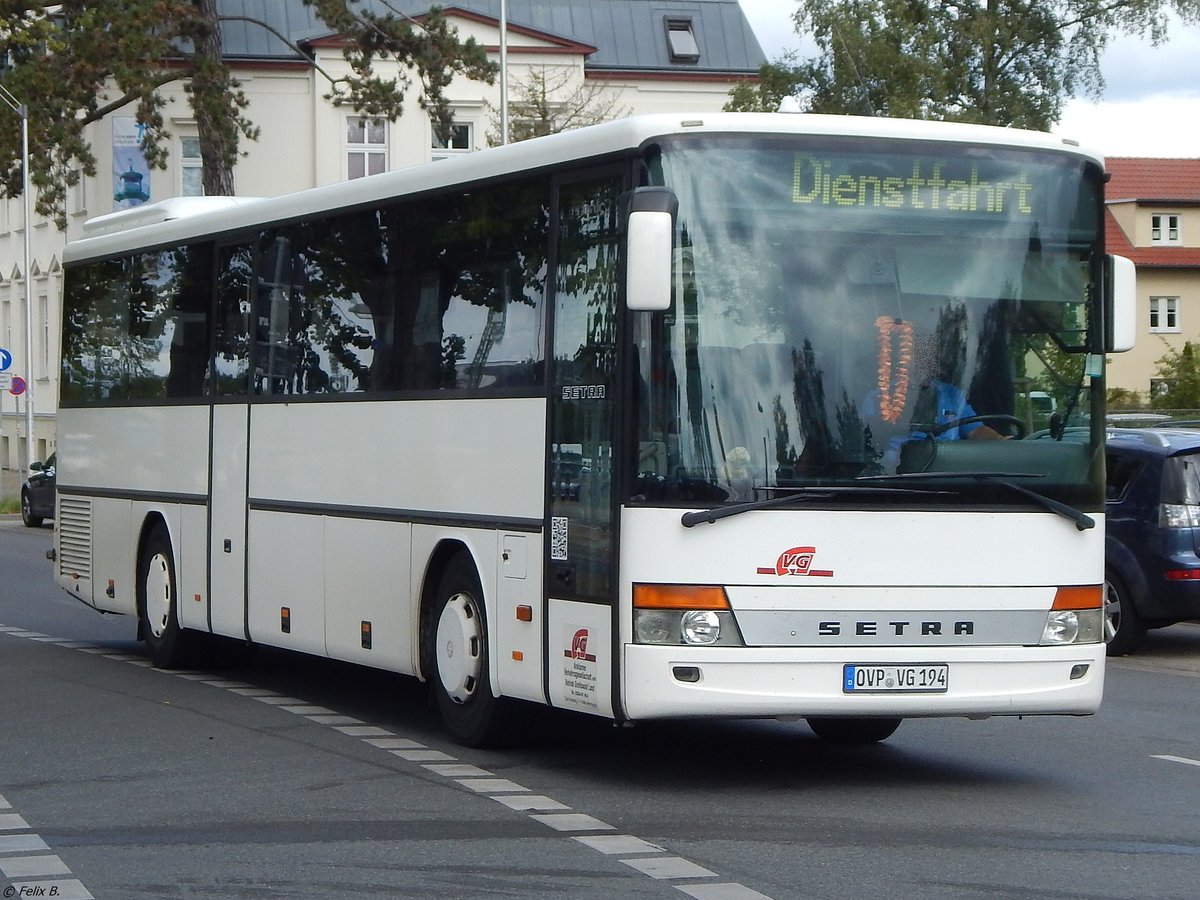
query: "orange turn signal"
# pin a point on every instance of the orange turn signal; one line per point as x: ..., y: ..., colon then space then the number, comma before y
x: 679, y: 596
x: 1079, y: 596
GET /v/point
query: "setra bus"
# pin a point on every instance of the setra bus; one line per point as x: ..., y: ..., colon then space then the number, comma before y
x: 667, y: 417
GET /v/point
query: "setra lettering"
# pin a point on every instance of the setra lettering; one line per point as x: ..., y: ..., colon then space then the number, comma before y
x: 897, y: 628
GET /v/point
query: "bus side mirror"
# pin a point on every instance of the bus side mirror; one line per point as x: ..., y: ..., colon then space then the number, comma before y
x: 649, y: 235
x: 1120, y: 283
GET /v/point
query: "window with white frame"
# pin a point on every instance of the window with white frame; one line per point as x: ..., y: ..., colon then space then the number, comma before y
x: 1164, y: 314
x: 1165, y: 228
x: 462, y: 139
x: 191, y: 168
x: 43, y: 350
x: 79, y: 196
x: 366, y: 146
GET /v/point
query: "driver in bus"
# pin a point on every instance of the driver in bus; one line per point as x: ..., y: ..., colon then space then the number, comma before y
x: 935, y: 363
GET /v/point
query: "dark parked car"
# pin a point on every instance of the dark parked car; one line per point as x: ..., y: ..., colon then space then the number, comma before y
x: 1152, y: 570
x: 37, y: 493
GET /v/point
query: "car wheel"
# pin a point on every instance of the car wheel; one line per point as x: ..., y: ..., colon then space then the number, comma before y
x: 27, y: 516
x: 853, y: 731
x: 1123, y: 627
x: 456, y: 655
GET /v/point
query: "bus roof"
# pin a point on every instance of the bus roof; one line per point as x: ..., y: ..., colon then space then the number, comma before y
x: 180, y: 219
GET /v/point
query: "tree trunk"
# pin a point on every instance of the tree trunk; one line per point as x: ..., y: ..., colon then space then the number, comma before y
x: 209, y: 87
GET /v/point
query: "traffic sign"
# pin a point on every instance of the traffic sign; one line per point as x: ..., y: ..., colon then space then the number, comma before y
x: 5, y: 359
x: 5, y: 381
x: 18, y: 385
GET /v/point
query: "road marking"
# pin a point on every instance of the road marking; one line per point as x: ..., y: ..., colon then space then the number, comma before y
x: 669, y: 867
x: 655, y: 862
x: 1178, y: 759
x: 33, y: 861
x: 617, y: 844
x: 721, y: 892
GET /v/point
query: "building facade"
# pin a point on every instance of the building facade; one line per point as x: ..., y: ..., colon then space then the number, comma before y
x: 631, y: 56
x: 1153, y: 218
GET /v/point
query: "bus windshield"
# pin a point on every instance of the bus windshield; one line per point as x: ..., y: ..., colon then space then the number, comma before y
x: 845, y: 310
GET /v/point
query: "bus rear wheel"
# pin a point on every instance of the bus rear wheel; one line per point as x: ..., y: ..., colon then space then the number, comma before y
x: 457, y: 653
x: 157, y: 605
x: 853, y: 731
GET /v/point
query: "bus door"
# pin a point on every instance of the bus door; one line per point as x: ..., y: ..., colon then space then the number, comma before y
x: 581, y: 538
x: 229, y: 447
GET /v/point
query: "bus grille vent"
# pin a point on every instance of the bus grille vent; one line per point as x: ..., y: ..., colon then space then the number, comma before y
x: 75, y: 538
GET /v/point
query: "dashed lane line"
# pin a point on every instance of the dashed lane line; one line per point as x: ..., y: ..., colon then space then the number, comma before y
x: 1176, y: 759
x: 640, y: 855
x: 24, y: 855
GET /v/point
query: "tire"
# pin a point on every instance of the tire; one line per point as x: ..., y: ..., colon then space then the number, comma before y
x: 853, y: 731
x: 1123, y: 627
x: 457, y: 659
x: 27, y: 516
x: 157, y: 603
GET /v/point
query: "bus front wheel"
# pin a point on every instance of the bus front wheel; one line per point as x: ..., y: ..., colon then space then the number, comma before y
x: 157, y: 602
x: 457, y: 652
x: 853, y: 731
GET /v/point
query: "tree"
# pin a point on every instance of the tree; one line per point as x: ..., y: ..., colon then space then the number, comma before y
x: 774, y: 82
x: 997, y: 62
x: 542, y: 105
x: 1179, y: 371
x: 76, y: 62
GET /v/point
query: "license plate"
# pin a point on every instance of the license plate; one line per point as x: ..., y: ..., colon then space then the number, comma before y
x: 886, y: 679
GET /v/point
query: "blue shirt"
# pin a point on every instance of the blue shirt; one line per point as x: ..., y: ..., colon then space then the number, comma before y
x: 950, y: 403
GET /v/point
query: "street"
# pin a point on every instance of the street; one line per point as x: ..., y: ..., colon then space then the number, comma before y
x: 278, y: 776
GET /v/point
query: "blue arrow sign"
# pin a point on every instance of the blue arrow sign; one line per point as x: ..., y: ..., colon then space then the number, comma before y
x: 5, y: 359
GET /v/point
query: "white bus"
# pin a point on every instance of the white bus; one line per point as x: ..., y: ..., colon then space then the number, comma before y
x: 669, y: 417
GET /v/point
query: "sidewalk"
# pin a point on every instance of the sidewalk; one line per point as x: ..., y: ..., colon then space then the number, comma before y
x: 10, y: 483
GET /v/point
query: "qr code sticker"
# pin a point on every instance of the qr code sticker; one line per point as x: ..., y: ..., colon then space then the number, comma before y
x: 558, y: 537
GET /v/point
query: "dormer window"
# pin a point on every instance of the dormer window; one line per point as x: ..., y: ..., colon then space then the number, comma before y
x: 1164, y: 228
x: 681, y: 40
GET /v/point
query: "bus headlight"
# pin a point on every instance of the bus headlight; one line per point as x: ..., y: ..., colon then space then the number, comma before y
x: 700, y: 626
x: 683, y: 614
x: 655, y: 626
x: 1073, y: 626
x: 1076, y: 617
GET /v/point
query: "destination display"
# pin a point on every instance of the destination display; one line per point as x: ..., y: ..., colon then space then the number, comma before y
x: 937, y: 185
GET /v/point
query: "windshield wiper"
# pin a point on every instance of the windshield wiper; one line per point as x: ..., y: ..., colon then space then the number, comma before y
x: 1081, y: 519
x: 691, y: 519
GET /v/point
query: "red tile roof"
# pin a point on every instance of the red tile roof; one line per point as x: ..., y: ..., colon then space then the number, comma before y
x: 1146, y: 179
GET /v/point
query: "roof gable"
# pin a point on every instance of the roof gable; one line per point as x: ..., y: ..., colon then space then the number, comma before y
x: 1153, y: 180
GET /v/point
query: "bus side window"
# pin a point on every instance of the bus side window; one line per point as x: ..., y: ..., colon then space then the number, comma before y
x: 231, y: 363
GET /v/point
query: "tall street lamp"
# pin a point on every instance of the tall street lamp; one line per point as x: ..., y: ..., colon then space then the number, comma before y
x: 22, y: 112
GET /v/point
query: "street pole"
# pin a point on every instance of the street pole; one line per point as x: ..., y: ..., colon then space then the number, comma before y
x: 503, y: 72
x: 23, y: 112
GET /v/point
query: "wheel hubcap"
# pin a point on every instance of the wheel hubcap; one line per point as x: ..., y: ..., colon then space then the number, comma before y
x: 1112, y: 612
x: 459, y: 647
x: 158, y: 595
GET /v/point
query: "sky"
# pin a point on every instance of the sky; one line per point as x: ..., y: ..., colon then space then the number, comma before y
x: 1150, y: 105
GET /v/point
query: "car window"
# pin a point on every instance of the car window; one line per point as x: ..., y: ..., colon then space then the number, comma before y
x: 1181, y: 480
x: 1121, y: 471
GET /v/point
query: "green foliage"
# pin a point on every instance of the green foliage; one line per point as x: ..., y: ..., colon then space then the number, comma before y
x: 1180, y: 374
x: 775, y: 81
x: 76, y: 62
x: 1123, y: 399
x: 996, y: 62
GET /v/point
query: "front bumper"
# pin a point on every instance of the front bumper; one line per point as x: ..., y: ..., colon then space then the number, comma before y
x: 767, y: 682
